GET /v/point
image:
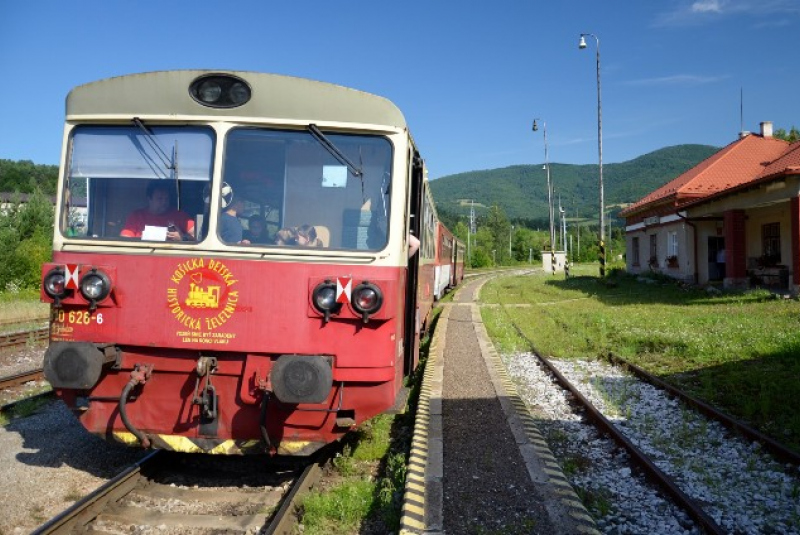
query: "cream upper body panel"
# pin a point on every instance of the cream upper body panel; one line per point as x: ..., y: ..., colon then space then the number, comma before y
x: 277, y: 102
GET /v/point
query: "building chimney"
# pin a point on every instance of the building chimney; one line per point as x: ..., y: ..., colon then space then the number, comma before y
x: 743, y: 134
x: 766, y: 129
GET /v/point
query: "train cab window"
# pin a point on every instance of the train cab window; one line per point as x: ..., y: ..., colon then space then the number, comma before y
x: 148, y: 177
x: 294, y: 183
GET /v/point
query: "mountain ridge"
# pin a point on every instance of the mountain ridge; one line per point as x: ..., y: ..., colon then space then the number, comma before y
x: 521, y: 190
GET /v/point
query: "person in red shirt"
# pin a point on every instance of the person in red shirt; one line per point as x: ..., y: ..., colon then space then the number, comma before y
x: 159, y: 213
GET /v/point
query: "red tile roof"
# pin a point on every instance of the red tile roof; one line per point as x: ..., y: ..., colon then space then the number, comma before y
x: 740, y: 162
x: 787, y: 163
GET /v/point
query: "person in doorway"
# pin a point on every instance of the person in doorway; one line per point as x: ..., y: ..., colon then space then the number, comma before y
x: 721, y: 263
x: 159, y: 213
x: 413, y: 245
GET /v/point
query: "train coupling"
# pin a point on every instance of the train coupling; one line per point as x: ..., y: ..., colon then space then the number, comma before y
x: 206, y: 396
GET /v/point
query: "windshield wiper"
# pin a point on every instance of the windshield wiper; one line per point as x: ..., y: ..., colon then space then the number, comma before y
x: 334, y: 151
x: 153, y: 142
x: 170, y: 164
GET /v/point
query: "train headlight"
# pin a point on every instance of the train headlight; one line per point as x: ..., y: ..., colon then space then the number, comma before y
x: 55, y: 284
x: 324, y: 299
x: 367, y: 299
x: 95, y: 286
x: 220, y: 91
x: 209, y: 91
x: 239, y: 93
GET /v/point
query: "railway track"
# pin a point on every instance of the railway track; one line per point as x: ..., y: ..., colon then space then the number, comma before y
x: 660, y: 471
x: 18, y: 379
x: 21, y: 338
x: 179, y: 493
x: 40, y: 319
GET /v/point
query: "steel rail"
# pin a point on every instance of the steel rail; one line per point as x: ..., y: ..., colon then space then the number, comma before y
x: 282, y: 522
x: 40, y: 319
x: 639, y: 457
x: 84, y: 510
x: 21, y: 378
x: 777, y: 449
x: 20, y: 338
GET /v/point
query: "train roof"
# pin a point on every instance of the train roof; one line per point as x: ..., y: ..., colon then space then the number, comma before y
x: 273, y: 96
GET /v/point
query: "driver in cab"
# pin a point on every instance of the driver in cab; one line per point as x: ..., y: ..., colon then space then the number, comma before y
x: 149, y: 223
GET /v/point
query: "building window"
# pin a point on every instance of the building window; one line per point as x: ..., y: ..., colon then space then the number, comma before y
x: 653, y: 249
x: 672, y: 244
x: 771, y: 243
x: 635, y: 252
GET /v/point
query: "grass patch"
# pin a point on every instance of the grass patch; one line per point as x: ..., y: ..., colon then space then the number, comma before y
x: 21, y: 306
x: 738, y: 350
x: 370, y: 473
x: 24, y: 408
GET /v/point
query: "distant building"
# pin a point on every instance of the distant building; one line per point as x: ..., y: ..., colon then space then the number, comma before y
x: 9, y: 199
x: 734, y: 218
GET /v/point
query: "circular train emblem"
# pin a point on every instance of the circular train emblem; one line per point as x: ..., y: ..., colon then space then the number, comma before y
x: 202, y: 294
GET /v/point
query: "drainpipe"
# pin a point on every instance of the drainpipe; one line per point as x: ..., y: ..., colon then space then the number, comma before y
x: 694, y: 242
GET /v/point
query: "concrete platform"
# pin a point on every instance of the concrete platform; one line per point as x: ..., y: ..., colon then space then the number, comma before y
x: 474, y: 439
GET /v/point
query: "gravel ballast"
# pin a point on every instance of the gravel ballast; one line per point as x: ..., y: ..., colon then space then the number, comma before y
x: 741, y: 487
x: 48, y: 460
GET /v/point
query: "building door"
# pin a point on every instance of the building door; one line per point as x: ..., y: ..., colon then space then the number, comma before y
x: 716, y: 258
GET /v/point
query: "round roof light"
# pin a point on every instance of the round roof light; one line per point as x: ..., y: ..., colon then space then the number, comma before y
x: 220, y: 91
x: 209, y: 91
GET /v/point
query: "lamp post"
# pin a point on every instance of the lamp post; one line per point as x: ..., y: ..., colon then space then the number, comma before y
x: 549, y: 187
x: 549, y: 197
x: 581, y: 46
x: 510, y: 234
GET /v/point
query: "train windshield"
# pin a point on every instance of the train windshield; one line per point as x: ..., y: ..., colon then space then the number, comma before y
x: 287, y: 189
x: 137, y: 182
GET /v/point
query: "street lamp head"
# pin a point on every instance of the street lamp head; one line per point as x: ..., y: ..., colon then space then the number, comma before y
x: 582, y: 42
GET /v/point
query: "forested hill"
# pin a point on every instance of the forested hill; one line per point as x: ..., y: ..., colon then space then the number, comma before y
x: 24, y: 176
x: 521, y: 190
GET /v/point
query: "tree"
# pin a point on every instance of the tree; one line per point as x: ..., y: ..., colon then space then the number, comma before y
x: 499, y: 228
x: 792, y: 136
x: 26, y: 231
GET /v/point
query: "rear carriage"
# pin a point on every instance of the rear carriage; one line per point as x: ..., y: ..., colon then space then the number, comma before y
x: 183, y: 336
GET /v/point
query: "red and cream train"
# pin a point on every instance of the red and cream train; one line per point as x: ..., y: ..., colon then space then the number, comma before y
x: 181, y: 334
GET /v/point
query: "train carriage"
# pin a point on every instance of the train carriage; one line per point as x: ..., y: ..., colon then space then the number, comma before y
x: 170, y: 327
x: 445, y: 247
x: 459, y: 258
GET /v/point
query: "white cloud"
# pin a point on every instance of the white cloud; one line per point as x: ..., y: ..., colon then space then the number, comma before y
x: 707, y: 6
x: 701, y: 11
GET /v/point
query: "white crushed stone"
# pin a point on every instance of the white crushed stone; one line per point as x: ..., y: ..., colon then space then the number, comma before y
x: 48, y: 460
x: 742, y: 488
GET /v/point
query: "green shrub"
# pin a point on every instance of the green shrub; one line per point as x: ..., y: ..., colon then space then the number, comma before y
x: 26, y: 231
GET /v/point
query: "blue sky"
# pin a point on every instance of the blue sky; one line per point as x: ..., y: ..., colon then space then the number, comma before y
x: 469, y: 77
